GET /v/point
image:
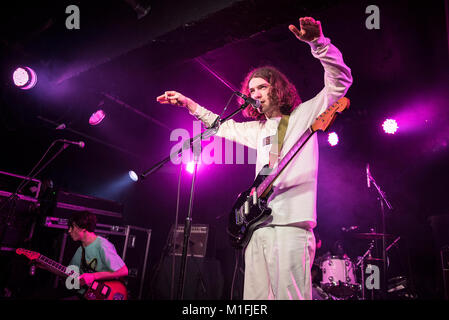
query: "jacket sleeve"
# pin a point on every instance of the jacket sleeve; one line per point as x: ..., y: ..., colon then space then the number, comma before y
x: 245, y: 133
x: 337, y: 78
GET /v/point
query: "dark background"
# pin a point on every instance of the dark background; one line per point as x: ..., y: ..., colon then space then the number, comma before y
x: 400, y: 71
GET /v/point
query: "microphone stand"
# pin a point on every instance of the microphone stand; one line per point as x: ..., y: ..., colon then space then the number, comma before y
x: 383, y: 200
x: 188, y: 226
x: 362, y: 266
x: 189, y: 144
x: 13, y: 197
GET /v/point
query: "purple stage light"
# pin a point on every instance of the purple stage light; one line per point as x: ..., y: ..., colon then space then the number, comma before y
x: 20, y: 77
x: 390, y: 126
x: 25, y: 78
x: 332, y: 139
x: 96, y: 117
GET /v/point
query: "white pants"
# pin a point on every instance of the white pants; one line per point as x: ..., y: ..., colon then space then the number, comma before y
x: 278, y: 262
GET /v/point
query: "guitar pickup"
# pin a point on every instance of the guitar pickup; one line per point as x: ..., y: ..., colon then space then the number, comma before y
x: 94, y: 285
x: 254, y: 195
x: 105, y: 291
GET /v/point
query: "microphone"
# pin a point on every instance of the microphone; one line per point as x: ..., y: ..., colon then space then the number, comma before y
x: 255, y: 103
x: 368, y: 181
x: 62, y: 126
x: 80, y: 144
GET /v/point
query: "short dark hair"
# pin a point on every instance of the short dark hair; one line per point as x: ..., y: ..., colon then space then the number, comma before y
x: 282, y: 92
x: 83, y: 219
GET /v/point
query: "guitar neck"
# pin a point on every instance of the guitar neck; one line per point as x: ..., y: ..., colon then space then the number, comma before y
x: 323, y: 122
x: 53, y: 266
x: 265, y: 186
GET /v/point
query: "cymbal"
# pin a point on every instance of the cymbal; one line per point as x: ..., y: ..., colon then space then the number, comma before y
x: 373, y: 259
x: 372, y: 235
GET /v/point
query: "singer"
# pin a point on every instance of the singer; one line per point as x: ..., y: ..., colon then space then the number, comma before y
x: 280, y: 254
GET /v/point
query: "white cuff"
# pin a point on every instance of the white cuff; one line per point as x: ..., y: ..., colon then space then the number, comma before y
x: 196, y: 113
x: 319, y: 42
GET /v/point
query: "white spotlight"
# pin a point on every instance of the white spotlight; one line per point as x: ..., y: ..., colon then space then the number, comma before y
x: 133, y: 176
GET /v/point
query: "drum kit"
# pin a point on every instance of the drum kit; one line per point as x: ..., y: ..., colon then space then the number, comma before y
x: 338, y: 277
x: 344, y: 279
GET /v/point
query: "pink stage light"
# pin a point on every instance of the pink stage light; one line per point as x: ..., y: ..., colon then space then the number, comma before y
x: 191, y: 167
x: 25, y: 78
x: 390, y: 126
x: 96, y: 117
x: 332, y: 139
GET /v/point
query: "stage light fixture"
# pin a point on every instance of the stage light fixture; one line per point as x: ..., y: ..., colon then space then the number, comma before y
x: 133, y: 175
x: 390, y: 126
x: 332, y: 138
x: 24, y: 77
x: 96, y: 117
x: 191, y: 166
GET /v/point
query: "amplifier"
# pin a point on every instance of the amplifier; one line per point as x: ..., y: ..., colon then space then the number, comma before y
x: 102, y: 229
x: 66, y: 202
x: 17, y: 213
x: 197, y: 241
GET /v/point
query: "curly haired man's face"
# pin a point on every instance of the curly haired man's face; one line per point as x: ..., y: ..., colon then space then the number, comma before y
x: 259, y: 89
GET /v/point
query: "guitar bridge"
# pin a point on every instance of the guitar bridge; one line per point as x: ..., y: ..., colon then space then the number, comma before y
x: 243, y: 211
x: 239, y: 216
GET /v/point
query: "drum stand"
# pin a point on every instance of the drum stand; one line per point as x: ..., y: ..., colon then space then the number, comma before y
x: 362, y: 266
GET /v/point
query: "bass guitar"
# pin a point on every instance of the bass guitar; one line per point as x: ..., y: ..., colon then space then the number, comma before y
x: 251, y: 208
x: 98, y: 290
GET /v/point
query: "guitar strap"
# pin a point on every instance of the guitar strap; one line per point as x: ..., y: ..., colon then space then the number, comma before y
x: 276, y: 146
x: 84, y: 266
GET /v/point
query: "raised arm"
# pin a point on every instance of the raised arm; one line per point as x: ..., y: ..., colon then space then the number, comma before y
x: 337, y: 75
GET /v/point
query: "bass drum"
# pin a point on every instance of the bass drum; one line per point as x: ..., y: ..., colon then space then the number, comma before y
x: 339, y: 278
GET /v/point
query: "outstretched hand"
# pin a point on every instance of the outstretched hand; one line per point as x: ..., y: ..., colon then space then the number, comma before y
x: 177, y: 99
x: 172, y: 97
x: 310, y: 29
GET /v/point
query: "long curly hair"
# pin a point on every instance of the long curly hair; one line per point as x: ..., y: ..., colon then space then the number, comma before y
x: 282, y: 92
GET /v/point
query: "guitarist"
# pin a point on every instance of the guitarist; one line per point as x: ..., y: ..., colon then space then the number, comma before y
x: 279, y: 255
x: 96, y: 258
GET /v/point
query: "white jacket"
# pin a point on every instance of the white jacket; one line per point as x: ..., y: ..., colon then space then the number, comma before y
x: 293, y: 201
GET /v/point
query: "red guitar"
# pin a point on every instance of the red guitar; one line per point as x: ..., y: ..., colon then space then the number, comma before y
x: 99, y: 290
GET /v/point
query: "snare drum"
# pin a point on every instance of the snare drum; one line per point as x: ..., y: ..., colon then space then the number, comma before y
x: 339, y: 276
